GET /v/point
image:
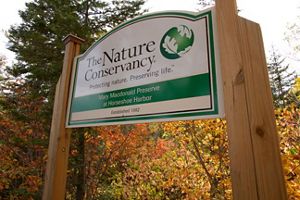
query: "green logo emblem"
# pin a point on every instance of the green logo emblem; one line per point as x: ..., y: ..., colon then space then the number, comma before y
x: 176, y: 42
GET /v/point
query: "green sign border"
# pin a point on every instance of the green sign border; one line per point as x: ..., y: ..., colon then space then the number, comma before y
x: 155, y: 117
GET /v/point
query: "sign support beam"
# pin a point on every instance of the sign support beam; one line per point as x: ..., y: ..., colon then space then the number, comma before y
x: 58, y: 151
x: 256, y: 168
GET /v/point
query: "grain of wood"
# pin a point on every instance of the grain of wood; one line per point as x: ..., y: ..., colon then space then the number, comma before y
x: 59, y: 143
x: 269, y: 173
x: 256, y: 170
x: 240, y: 145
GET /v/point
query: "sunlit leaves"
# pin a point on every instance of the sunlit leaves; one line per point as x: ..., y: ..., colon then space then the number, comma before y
x: 23, y: 147
x: 172, y: 160
x: 177, y: 160
x: 288, y: 126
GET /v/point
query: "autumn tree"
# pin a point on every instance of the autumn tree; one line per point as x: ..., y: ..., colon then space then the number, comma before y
x: 206, y: 140
x: 175, y: 160
x: 108, y: 152
x: 23, y: 144
x: 23, y: 140
x: 288, y: 126
x: 294, y: 93
x: 37, y: 43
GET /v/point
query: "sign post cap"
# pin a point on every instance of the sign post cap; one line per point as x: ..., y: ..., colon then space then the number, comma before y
x: 73, y: 38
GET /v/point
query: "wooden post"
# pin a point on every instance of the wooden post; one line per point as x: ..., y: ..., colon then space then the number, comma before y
x: 256, y: 169
x: 58, y: 151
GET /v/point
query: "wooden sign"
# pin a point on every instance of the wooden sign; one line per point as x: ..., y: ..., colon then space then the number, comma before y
x: 136, y: 75
x: 255, y: 163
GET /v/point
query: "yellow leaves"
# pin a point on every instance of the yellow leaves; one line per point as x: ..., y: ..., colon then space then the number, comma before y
x: 86, y: 135
x: 215, y: 148
x: 179, y: 159
x: 174, y: 169
x: 288, y: 126
x: 296, y: 88
x: 23, y: 155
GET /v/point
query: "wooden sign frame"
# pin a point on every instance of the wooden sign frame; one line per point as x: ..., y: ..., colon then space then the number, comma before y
x: 59, y: 143
x: 255, y: 162
x: 109, y: 89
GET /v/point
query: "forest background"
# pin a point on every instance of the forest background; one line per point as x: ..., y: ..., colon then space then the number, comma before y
x: 173, y: 160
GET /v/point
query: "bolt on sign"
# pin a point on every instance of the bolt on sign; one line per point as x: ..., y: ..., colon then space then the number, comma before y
x: 157, y: 67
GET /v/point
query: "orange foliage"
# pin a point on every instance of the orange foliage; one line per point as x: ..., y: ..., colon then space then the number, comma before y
x: 288, y: 126
x: 172, y: 160
x: 23, y: 145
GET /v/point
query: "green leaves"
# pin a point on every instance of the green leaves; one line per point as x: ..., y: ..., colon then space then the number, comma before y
x: 26, y: 109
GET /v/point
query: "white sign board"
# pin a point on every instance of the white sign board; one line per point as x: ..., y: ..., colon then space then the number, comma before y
x: 156, y: 67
